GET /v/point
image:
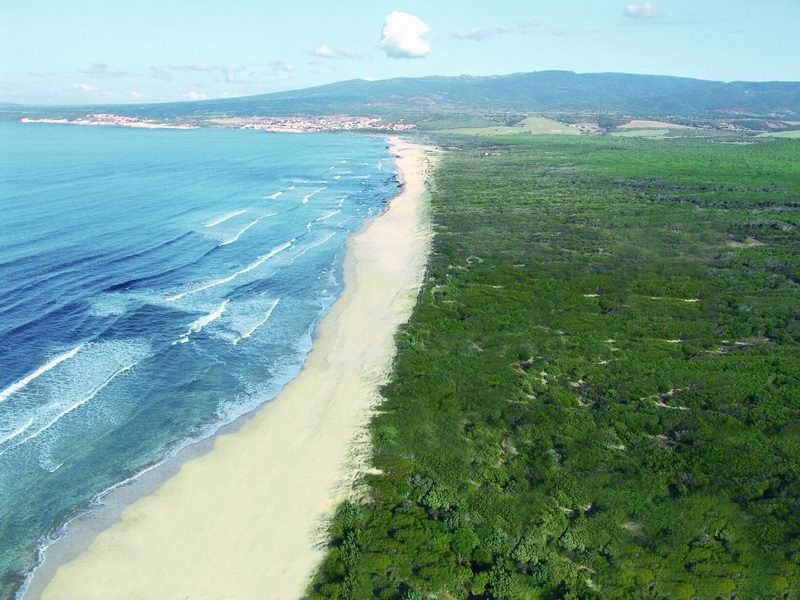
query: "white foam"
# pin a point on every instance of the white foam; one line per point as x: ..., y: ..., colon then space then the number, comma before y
x: 111, y: 304
x: 308, y: 197
x: 238, y: 235
x: 253, y: 329
x: 253, y: 265
x: 198, y: 325
x: 276, y: 195
x: 225, y: 217
x: 18, y: 431
x: 241, y: 232
x: 53, y: 362
x: 64, y: 412
x: 228, y: 412
x: 314, y: 245
x: 328, y: 216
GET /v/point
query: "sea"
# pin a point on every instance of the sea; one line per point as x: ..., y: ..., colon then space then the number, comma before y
x: 155, y: 285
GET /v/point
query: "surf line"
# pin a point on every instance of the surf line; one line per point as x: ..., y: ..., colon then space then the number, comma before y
x: 248, y: 226
x: 198, y: 325
x: 18, y: 431
x: 328, y: 216
x: 241, y: 232
x: 225, y: 217
x: 312, y: 194
x: 53, y: 362
x: 310, y: 246
x: 75, y: 406
x: 253, y: 329
x: 253, y: 265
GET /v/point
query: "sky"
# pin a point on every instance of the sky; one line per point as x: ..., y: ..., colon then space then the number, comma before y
x: 114, y: 51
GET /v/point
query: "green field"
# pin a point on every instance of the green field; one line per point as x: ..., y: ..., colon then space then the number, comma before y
x: 598, y: 395
x: 530, y: 126
x: 782, y: 134
x: 643, y: 133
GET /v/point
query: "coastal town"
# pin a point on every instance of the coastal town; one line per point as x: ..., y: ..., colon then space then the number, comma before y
x: 297, y: 124
x: 313, y: 123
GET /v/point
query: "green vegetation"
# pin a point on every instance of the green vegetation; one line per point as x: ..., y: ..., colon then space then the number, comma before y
x: 479, y: 121
x: 782, y: 134
x: 529, y: 125
x: 543, y: 125
x: 643, y: 133
x: 598, y: 395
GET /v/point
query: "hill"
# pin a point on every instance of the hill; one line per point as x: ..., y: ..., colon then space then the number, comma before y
x: 543, y: 91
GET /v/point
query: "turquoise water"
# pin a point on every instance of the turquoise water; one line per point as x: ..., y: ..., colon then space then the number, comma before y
x: 154, y: 285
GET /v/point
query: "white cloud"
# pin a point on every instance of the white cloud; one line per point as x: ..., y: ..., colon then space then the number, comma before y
x: 527, y: 25
x: 478, y: 34
x: 644, y: 10
x: 193, y: 95
x: 281, y: 67
x: 87, y: 88
x: 403, y: 36
x: 97, y: 93
x: 219, y: 73
x: 325, y: 51
x: 103, y: 70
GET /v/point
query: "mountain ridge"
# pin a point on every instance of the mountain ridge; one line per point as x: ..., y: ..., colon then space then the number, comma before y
x: 538, y: 91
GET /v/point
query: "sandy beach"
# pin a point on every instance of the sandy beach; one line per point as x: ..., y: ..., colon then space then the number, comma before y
x: 246, y: 519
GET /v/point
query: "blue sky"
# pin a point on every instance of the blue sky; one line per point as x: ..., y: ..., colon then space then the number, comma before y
x: 76, y: 51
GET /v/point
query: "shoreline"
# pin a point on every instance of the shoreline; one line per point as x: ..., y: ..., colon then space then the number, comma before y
x: 279, y: 470
x: 132, y: 124
x: 266, y: 124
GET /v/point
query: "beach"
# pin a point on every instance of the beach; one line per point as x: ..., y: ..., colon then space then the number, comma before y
x: 247, y: 518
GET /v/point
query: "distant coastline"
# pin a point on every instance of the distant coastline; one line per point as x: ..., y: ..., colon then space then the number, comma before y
x: 103, y: 119
x: 306, y: 124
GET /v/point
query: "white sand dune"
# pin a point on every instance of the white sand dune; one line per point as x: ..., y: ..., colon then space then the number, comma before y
x: 244, y: 520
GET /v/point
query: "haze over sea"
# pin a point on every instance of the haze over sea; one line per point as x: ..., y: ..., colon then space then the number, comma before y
x: 155, y: 285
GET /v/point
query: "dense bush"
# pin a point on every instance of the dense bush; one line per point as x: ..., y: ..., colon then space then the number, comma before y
x: 598, y: 394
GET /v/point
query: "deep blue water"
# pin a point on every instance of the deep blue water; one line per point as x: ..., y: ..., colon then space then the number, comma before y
x: 154, y: 285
